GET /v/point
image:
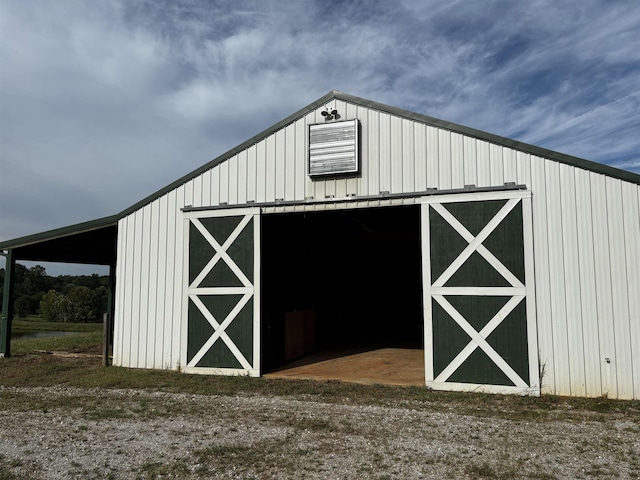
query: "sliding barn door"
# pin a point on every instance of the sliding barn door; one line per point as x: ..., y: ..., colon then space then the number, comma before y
x: 222, y: 312
x: 479, y: 305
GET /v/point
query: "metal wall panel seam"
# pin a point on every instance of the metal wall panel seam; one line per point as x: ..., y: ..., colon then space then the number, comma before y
x: 603, y: 284
x: 130, y: 315
x: 300, y: 160
x: 152, y: 316
x: 384, y: 151
x: 572, y: 281
x: 558, y: 292
x: 145, y: 279
x: 509, y: 164
x: 118, y: 323
x: 252, y: 174
x: 373, y: 155
x: 396, y: 160
x: 457, y: 160
x: 279, y: 151
x: 586, y: 255
x: 470, y: 165
x: 543, y: 293
x: 420, y: 158
x: 233, y: 180
x: 270, y: 171
x: 224, y: 183
x: 631, y: 198
x: 261, y: 172
x: 167, y: 284
x: 497, y: 165
x: 162, y: 261
x: 289, y: 162
x: 444, y: 160
x: 622, y: 332
x: 242, y: 177
x: 484, y: 164
x: 433, y: 162
x: 176, y: 338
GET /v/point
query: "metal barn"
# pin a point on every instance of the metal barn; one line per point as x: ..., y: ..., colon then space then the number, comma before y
x: 515, y: 269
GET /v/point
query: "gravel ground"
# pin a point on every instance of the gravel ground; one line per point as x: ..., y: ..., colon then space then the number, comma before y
x: 68, y: 433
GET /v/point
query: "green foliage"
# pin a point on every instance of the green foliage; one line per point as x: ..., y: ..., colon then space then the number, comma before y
x: 78, y: 298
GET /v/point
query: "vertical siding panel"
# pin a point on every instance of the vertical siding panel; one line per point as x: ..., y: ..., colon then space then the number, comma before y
x: 484, y: 164
x: 510, y: 166
x: 361, y: 186
x: 631, y: 212
x: 261, y: 171
x: 619, y: 277
x: 444, y: 159
x: 603, y: 284
x: 197, y: 191
x: 523, y: 169
x: 433, y: 158
x: 542, y: 273
x: 281, y: 176
x: 243, y: 175
x: 215, y: 187
x: 171, y: 257
x: 136, y: 319
x: 290, y: 162
x: 396, y: 160
x: 122, y: 262
x: 470, y: 166
x: 152, y: 279
x: 252, y: 174
x: 178, y: 287
x: 300, y: 160
x: 587, y: 280
x: 373, y: 154
x: 351, y: 183
x: 385, y: 153
x: 166, y: 278
x: 270, y: 168
x: 496, y: 165
x: 223, y: 168
x: 457, y: 160
x: 572, y: 281
x: 420, y: 157
x: 206, y: 188
x: 131, y: 312
x: 557, y: 278
x: 232, y: 195
x: 408, y: 157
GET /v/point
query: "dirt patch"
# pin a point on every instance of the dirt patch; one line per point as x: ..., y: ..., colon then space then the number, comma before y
x: 63, y: 432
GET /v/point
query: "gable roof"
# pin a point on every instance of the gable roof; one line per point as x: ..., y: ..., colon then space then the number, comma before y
x: 332, y: 95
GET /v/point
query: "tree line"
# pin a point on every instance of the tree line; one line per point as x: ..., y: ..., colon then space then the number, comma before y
x: 65, y: 298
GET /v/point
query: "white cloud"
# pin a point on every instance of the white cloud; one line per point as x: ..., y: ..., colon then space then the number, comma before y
x: 102, y: 103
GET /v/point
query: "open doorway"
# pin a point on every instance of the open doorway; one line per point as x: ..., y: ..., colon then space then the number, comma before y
x: 340, y: 283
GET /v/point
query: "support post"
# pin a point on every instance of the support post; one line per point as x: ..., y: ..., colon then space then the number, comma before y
x: 105, y: 339
x: 7, y: 305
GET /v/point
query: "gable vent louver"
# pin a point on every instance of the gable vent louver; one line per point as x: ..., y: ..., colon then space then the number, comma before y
x: 333, y: 148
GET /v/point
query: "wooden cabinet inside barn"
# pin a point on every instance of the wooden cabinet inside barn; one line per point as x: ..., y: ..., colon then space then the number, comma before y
x: 513, y: 268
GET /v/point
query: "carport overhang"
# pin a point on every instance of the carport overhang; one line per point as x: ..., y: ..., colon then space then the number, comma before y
x: 92, y: 243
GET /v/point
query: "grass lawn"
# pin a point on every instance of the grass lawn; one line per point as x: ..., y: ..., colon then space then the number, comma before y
x: 30, y: 366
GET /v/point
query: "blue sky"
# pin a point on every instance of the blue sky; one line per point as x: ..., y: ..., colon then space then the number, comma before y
x: 103, y: 103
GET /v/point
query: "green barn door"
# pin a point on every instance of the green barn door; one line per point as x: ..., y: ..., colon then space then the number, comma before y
x: 479, y: 305
x: 222, y: 328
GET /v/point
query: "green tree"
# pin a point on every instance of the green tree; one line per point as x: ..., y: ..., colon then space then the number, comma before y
x: 55, y: 307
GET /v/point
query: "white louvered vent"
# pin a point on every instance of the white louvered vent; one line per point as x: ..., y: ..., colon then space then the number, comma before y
x: 333, y: 148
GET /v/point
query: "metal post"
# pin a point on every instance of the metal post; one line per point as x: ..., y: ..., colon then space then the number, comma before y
x: 7, y: 306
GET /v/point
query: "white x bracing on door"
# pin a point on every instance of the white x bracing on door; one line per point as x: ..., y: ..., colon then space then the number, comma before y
x: 221, y: 327
x: 479, y: 304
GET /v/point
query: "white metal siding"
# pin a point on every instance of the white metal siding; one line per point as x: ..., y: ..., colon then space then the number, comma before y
x: 586, y: 240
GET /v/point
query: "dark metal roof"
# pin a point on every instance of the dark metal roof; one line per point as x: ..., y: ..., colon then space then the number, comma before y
x: 87, y: 244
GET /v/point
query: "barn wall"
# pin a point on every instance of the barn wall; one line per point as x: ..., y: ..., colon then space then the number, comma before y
x: 586, y: 236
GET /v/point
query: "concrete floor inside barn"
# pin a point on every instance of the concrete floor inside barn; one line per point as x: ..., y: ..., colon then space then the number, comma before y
x: 366, y: 365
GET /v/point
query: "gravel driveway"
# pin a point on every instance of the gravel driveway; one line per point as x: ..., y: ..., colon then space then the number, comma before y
x: 62, y: 433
